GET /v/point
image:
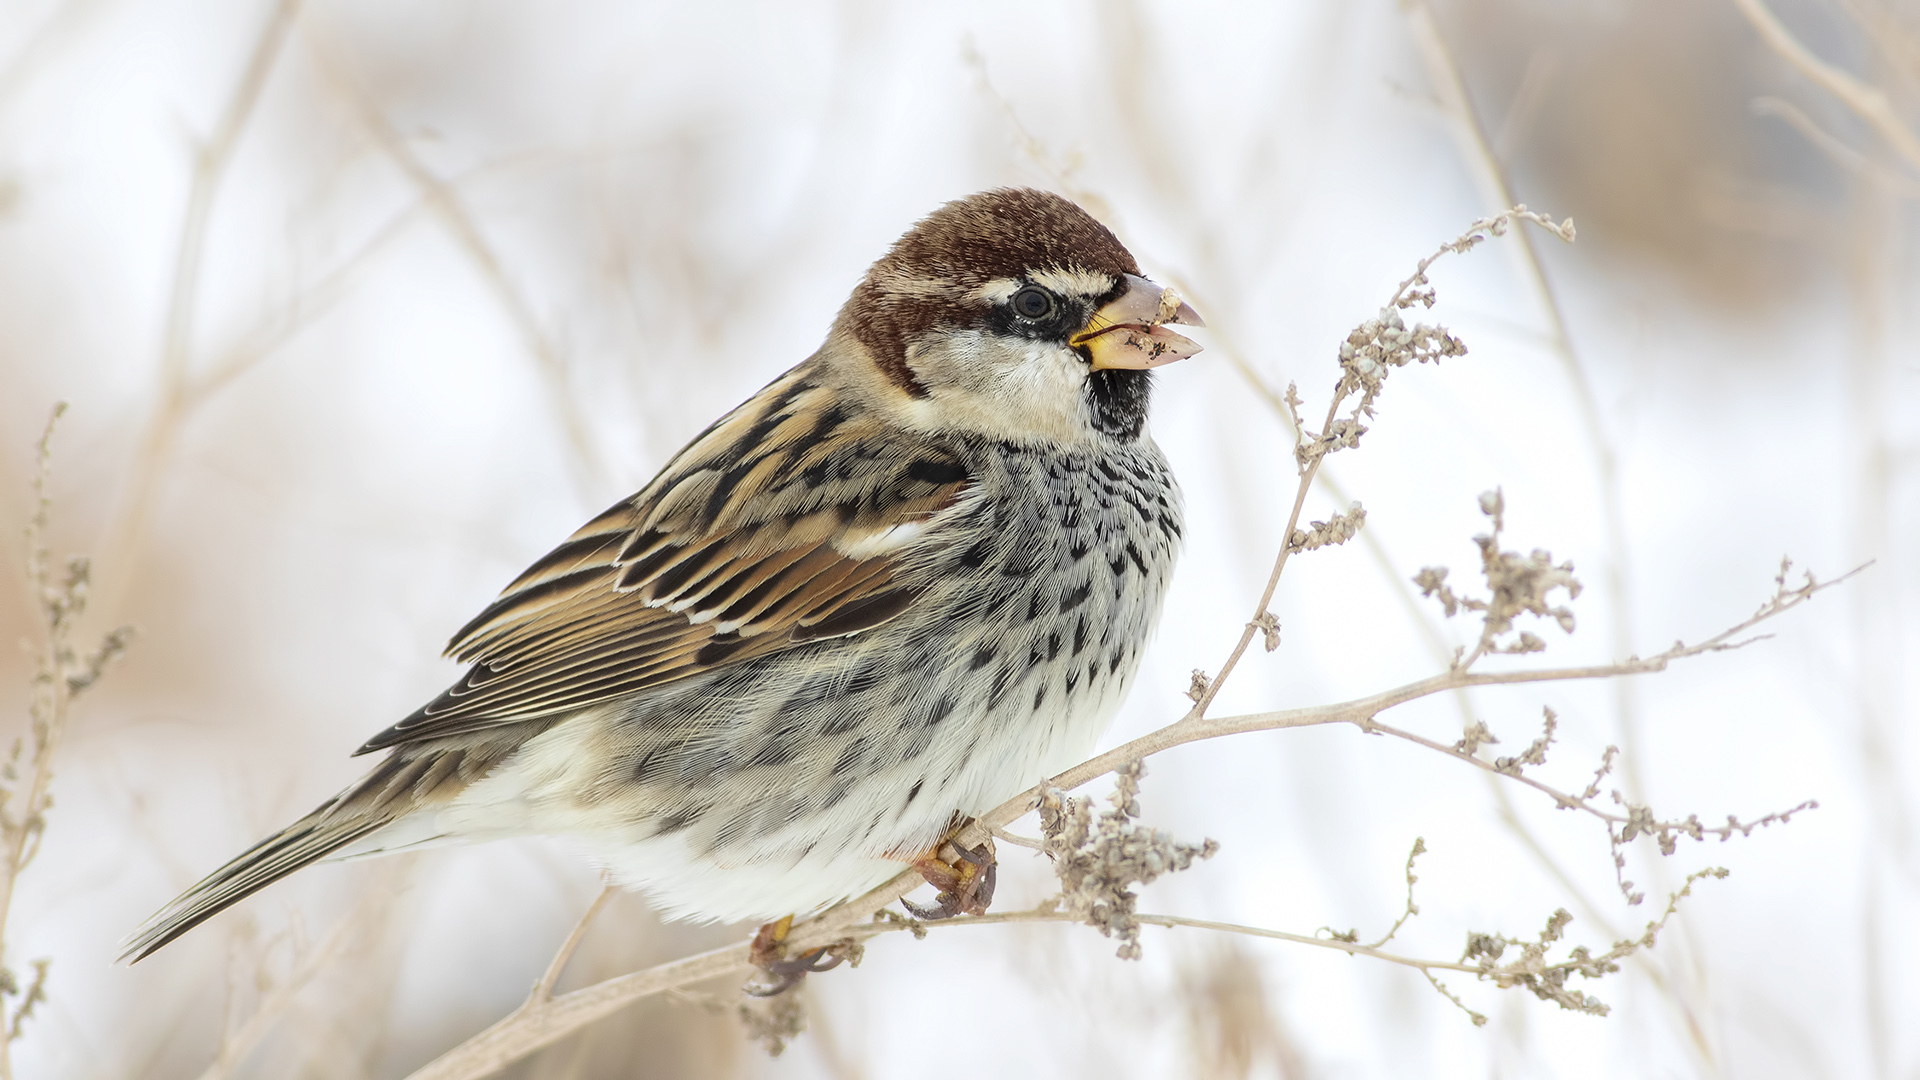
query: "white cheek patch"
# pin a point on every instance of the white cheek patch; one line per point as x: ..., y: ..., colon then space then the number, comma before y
x: 1007, y: 388
x: 1044, y: 376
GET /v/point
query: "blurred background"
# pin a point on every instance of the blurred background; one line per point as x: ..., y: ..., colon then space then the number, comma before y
x: 362, y: 306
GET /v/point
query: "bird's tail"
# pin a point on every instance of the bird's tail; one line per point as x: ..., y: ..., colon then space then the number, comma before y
x: 411, y: 778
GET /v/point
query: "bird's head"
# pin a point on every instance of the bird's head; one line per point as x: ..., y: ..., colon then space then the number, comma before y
x: 1014, y: 314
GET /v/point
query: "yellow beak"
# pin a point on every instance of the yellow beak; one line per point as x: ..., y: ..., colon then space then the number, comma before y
x: 1130, y: 331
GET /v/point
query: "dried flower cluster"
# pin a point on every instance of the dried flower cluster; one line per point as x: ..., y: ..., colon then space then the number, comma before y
x: 1547, y: 980
x: 1336, y: 530
x: 1516, y: 585
x: 1536, y: 752
x: 1098, y: 862
x: 1269, y: 626
x: 1640, y: 821
x: 1382, y: 342
x: 773, y: 1022
x: 1386, y: 341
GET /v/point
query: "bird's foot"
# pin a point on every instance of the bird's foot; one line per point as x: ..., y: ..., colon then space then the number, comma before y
x: 964, y: 876
x: 783, y: 973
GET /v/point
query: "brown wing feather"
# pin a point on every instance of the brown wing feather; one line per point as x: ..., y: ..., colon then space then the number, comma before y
x: 748, y: 543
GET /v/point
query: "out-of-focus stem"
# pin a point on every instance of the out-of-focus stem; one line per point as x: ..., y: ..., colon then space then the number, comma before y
x: 172, y: 406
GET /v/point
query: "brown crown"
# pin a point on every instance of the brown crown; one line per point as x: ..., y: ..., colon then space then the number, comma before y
x: 1003, y: 233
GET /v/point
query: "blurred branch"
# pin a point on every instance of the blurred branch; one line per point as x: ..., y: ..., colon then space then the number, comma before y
x: 1867, y: 102
x: 307, y: 962
x: 446, y: 204
x: 1836, y: 151
x: 309, y: 304
x: 61, y: 674
x: 1485, y: 157
x: 174, y: 401
x: 538, y: 1024
x: 543, y: 990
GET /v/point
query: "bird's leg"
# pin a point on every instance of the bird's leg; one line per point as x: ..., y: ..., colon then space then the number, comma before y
x: 769, y: 955
x: 964, y: 876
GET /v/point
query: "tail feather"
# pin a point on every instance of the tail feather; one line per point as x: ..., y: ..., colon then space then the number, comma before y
x: 411, y: 778
x: 306, y: 841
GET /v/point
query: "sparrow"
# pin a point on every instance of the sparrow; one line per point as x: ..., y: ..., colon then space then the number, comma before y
x: 909, y: 579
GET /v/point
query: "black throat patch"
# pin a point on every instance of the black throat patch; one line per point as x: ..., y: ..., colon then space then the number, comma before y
x: 1117, y: 401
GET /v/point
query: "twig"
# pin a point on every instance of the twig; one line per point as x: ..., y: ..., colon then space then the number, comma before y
x: 528, y: 1029
x: 1017, y: 841
x: 1411, y: 909
x: 307, y: 963
x: 543, y: 990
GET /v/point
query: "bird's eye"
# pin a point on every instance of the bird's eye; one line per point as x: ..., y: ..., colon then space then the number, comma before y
x: 1033, y: 302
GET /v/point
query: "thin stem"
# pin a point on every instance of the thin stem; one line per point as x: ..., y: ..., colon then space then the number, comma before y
x: 1036, y: 915
x: 1273, y: 580
x: 543, y: 990
x: 235, y: 1046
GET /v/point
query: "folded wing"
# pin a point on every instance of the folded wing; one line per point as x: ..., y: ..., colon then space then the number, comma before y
x: 780, y: 526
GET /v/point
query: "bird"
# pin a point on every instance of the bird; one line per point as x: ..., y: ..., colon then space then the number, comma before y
x: 910, y: 578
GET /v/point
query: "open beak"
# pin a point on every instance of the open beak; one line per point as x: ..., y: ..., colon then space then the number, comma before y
x: 1130, y: 332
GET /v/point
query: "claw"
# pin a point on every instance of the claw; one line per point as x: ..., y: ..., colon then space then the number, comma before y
x: 983, y: 890
x: 766, y: 954
x: 925, y: 913
x: 966, y: 878
x: 788, y: 973
x: 779, y: 984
